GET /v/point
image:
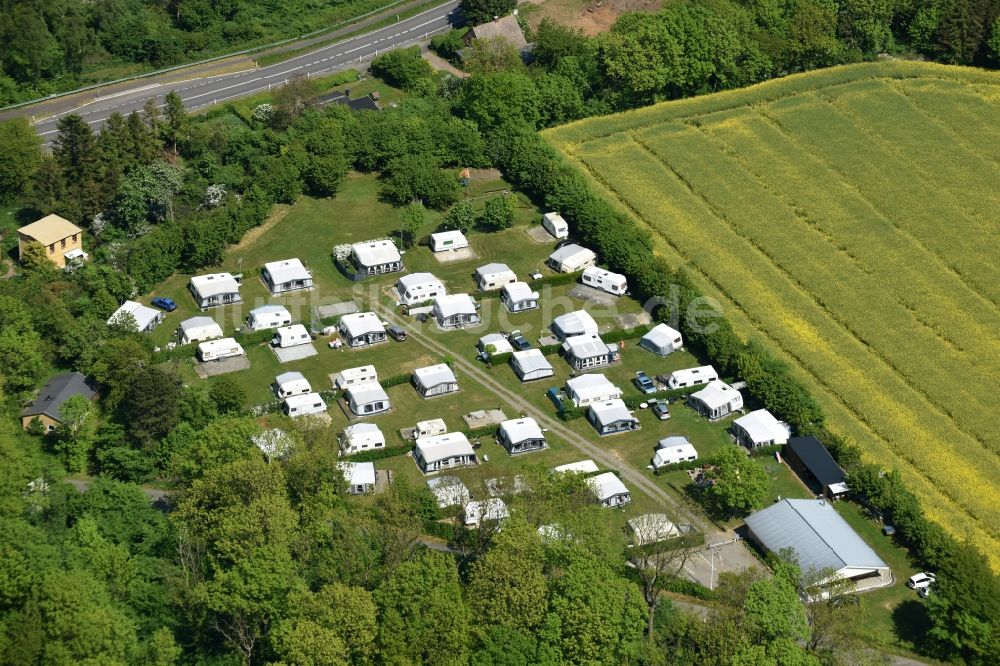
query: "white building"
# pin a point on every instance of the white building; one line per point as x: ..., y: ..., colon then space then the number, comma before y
x: 419, y: 288
x: 367, y: 399
x: 354, y: 376
x: 359, y: 437
x: 448, y: 491
x: 198, y: 329
x: 489, y: 510
x: 446, y: 451
x: 500, y: 343
x: 435, y: 380
x: 612, y: 417
x: 670, y: 450
x: 758, y: 429
x: 146, y: 318
x: 376, y: 257
x: 589, y: 389
x: 652, y: 528
x: 571, y: 258
x: 455, y: 311
x: 661, y: 340
x: 555, y: 225
x: 586, y: 352
x: 291, y: 383
x: 361, y: 329
x: 613, y: 283
x: 580, y: 467
x: 286, y: 275
x: 443, y: 241
x: 360, y: 476
x: 494, y: 276
x: 214, y: 350
x: 518, y: 297
x: 303, y: 405
x: 268, y: 316
x: 717, y: 400
x: 609, y: 490
x: 291, y: 336
x: 574, y: 323
x: 692, y: 377
x: 530, y: 365
x: 215, y: 289
x: 821, y: 540
x: 521, y: 435
x: 430, y: 428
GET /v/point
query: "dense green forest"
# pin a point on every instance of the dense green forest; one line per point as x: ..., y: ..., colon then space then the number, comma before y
x: 50, y: 46
x: 267, y: 561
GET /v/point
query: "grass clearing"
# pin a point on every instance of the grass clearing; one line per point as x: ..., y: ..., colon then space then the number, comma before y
x: 848, y: 217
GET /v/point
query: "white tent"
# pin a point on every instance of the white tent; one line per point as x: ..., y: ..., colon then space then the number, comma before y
x: 662, y: 340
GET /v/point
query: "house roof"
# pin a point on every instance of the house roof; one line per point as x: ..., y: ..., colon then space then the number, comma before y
x: 611, y: 411
x: 358, y: 473
x: 506, y: 27
x: 591, y: 385
x: 50, y: 229
x: 493, y: 508
x: 195, y: 323
x: 817, y: 460
x: 435, y: 375
x: 761, y: 426
x: 425, y: 280
x: 454, y: 304
x: 143, y: 314
x: 519, y: 291
x: 362, y: 394
x: 364, y: 432
x: 531, y: 360
x: 305, y: 400
x: 662, y: 335
x: 500, y: 342
x: 580, y: 467
x: 575, y: 323
x: 572, y: 250
x: 289, y: 377
x: 375, y: 253
x: 492, y: 270
x: 287, y: 270
x: 607, y: 485
x: 448, y: 445
x: 361, y: 323
x: 716, y: 394
x: 820, y: 537
x: 586, y: 346
x: 519, y: 430
x: 448, y: 491
x: 56, y: 391
x: 215, y: 284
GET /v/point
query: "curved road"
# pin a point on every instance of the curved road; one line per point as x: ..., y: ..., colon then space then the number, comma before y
x: 201, y: 92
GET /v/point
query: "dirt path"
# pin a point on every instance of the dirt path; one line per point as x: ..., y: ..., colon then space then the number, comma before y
x: 250, y: 237
x: 442, y: 65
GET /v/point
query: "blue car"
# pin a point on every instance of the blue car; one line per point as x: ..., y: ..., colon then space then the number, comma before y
x: 164, y: 303
x: 644, y: 383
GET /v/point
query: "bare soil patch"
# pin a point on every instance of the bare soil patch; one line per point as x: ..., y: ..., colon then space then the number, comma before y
x: 591, y: 16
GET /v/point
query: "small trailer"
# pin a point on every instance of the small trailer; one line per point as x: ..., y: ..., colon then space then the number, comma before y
x: 214, y: 350
x: 302, y: 405
x: 555, y: 225
x: 291, y: 336
x: 613, y: 283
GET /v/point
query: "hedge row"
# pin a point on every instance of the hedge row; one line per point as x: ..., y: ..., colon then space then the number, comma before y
x: 484, y: 431
x: 556, y: 280
x: 395, y: 380
x: 380, y: 454
x: 180, y: 351
x: 253, y: 337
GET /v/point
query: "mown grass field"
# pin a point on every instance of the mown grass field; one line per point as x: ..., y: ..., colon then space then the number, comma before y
x: 848, y: 216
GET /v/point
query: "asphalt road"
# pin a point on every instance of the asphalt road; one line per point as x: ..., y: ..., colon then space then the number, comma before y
x: 202, y: 92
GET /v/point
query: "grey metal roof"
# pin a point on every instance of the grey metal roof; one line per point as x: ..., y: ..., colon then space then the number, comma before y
x: 58, y: 390
x: 820, y: 537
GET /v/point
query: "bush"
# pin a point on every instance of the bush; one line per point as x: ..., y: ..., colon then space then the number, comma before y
x: 556, y: 280
x: 689, y: 588
x: 449, y: 44
x: 767, y: 451
x: 380, y: 454
x: 403, y: 68
x: 253, y: 337
x: 395, y: 380
x: 485, y: 431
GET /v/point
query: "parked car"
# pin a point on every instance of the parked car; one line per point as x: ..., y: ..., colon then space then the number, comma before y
x: 164, y: 303
x: 644, y: 383
x: 919, y: 581
x: 396, y: 333
x: 661, y: 409
x: 924, y: 592
x: 518, y: 341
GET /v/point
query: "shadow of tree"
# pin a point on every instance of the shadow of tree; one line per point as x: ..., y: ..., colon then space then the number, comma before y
x: 911, y: 622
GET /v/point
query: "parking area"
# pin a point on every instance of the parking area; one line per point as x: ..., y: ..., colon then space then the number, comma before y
x: 222, y: 366
x: 296, y: 353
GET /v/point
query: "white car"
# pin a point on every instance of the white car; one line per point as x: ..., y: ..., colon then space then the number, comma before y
x: 921, y: 580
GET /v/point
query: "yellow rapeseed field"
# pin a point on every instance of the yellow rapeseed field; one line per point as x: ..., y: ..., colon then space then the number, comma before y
x: 850, y: 217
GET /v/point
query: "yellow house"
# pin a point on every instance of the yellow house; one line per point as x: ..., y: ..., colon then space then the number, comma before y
x: 62, y: 240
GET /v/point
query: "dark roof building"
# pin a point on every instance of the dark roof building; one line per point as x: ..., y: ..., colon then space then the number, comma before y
x: 811, y: 461
x: 58, y: 390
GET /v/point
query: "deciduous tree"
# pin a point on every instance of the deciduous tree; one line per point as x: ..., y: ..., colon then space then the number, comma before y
x: 20, y: 156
